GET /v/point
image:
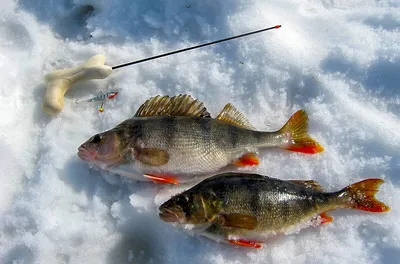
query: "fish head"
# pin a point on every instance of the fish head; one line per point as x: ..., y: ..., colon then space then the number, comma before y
x: 190, y: 208
x: 103, y: 149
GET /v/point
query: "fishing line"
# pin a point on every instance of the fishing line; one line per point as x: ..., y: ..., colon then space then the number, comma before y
x: 194, y: 47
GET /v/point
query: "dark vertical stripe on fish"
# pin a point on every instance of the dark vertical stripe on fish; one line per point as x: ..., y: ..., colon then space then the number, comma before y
x: 259, y: 137
x: 138, y: 129
x: 205, y: 127
x: 171, y: 124
x: 255, y: 205
x: 233, y: 135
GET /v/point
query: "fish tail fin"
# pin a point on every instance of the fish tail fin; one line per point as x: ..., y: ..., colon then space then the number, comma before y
x: 296, y: 131
x: 362, y: 196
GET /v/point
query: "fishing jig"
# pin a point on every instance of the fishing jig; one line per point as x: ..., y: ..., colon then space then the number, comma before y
x: 100, y: 98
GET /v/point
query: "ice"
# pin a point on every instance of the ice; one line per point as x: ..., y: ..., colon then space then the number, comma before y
x: 339, y: 60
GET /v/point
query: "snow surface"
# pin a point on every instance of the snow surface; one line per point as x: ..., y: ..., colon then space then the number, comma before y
x: 339, y: 60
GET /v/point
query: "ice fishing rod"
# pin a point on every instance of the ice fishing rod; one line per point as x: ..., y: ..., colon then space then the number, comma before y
x: 60, y: 81
x: 194, y: 47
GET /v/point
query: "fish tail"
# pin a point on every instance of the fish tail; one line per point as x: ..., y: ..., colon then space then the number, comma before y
x: 296, y: 131
x: 361, y: 196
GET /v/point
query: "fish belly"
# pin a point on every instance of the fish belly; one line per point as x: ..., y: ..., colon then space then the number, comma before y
x: 224, y: 234
x: 189, y: 164
x: 184, y: 166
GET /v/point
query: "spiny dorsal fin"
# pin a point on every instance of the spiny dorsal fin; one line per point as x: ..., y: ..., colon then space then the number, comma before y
x: 233, y: 116
x: 310, y: 184
x: 180, y: 105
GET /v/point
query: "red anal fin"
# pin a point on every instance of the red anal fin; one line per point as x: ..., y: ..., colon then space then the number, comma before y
x: 246, y: 243
x: 325, y: 218
x: 161, y: 178
x: 248, y: 159
x: 306, y: 147
x: 321, y: 219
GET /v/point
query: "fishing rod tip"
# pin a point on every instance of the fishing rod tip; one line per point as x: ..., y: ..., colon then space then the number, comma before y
x: 278, y: 26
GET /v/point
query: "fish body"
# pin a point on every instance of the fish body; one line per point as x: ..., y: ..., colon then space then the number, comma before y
x: 175, y: 139
x: 194, y: 145
x: 247, y: 209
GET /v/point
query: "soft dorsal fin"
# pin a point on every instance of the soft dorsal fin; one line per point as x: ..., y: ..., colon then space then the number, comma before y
x: 233, y: 116
x: 180, y: 105
x: 310, y: 184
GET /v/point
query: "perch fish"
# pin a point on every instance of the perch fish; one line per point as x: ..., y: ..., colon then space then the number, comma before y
x: 174, y: 139
x: 248, y: 209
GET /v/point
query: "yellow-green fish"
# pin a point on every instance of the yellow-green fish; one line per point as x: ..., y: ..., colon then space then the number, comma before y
x: 174, y: 139
x: 248, y: 209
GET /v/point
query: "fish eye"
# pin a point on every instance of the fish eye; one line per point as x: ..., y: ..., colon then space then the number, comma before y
x: 96, y: 138
x: 182, y: 200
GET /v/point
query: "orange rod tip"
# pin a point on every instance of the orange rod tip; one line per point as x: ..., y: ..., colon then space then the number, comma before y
x: 278, y: 26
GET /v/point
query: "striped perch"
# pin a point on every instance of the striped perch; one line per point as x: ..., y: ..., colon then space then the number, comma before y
x: 174, y: 139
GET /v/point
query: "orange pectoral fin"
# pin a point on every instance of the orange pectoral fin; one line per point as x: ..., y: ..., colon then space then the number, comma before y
x: 161, y: 178
x: 248, y: 159
x: 152, y: 156
x: 246, y: 243
x: 239, y: 221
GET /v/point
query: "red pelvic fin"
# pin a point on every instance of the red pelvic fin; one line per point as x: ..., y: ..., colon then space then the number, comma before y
x: 248, y: 159
x: 246, y: 243
x: 161, y: 178
x: 325, y: 218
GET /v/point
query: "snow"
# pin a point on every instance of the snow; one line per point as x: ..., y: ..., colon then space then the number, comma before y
x: 339, y: 60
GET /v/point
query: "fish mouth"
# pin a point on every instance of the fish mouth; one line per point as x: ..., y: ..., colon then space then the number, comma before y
x: 85, y: 154
x: 169, y: 216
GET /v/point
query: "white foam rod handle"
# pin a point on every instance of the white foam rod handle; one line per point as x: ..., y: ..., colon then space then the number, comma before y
x: 59, y: 82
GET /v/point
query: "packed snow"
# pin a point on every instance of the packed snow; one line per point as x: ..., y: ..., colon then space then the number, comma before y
x: 339, y: 60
